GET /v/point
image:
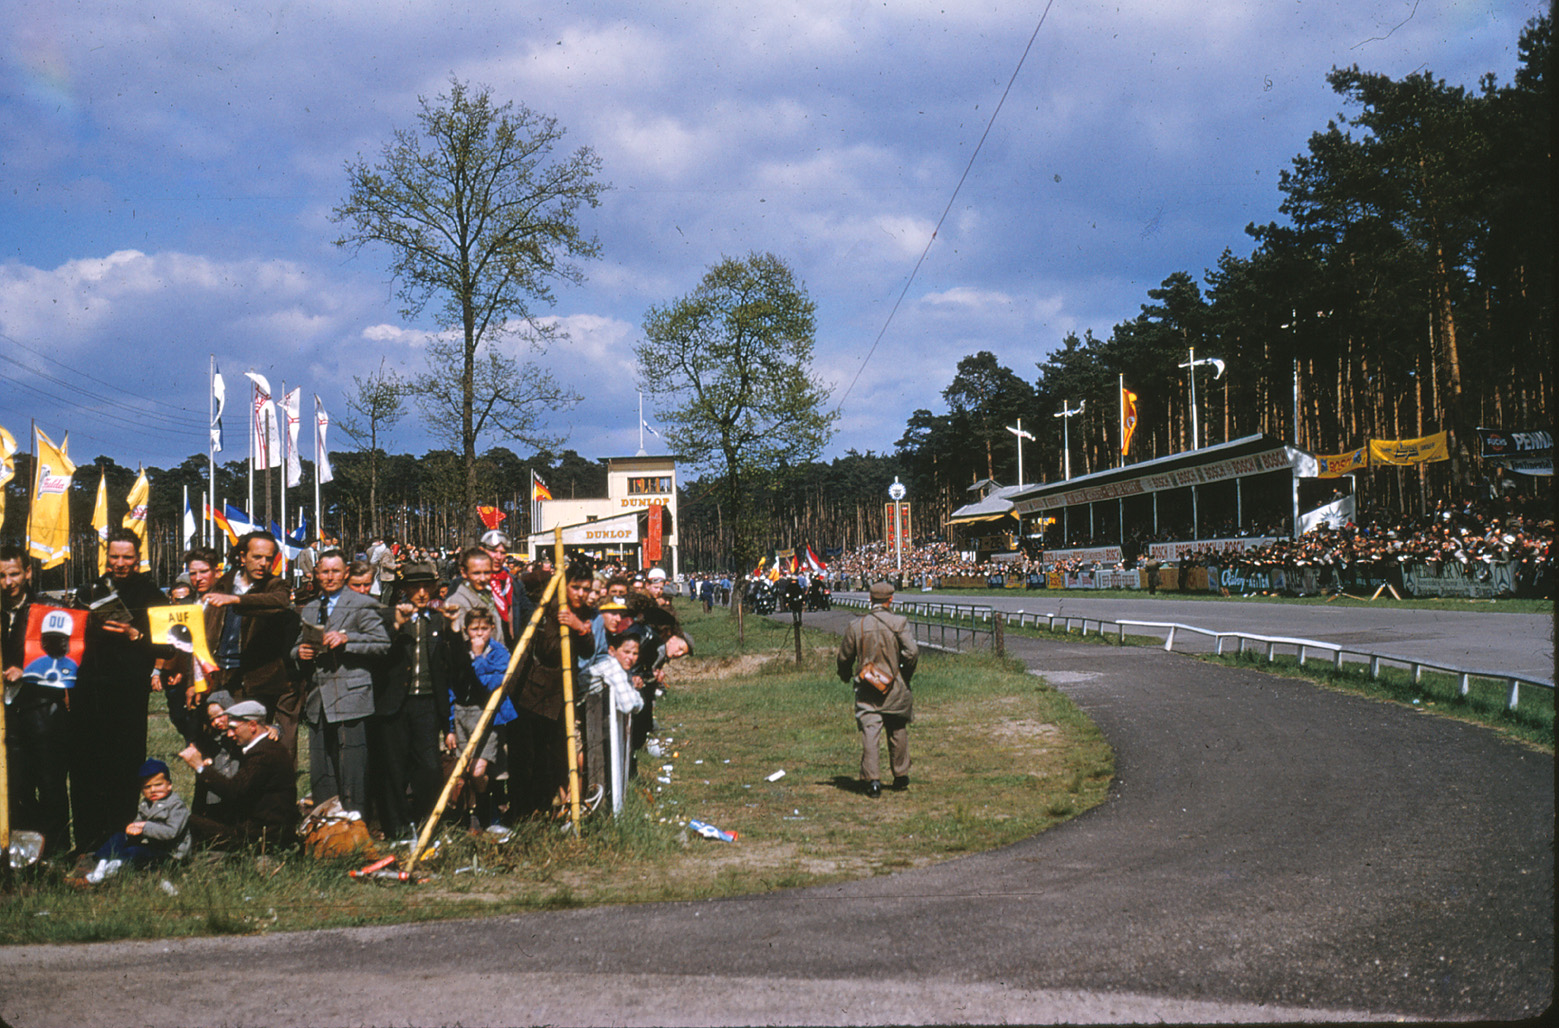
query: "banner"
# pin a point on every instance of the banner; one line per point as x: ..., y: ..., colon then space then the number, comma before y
x: 56, y: 639
x: 218, y: 403
x: 100, y: 522
x: 652, y: 533
x: 492, y: 517
x: 1337, y: 465
x: 1424, y: 450
x: 48, y: 523
x: 291, y: 405
x: 7, y: 466
x: 1333, y: 515
x: 322, y: 469
x: 184, y: 628
x: 135, y: 516
x: 1128, y: 418
x: 1174, y: 551
x: 264, y: 434
x: 1527, y: 452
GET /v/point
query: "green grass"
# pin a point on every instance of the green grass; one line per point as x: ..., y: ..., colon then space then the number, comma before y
x: 999, y: 755
x: 1485, y: 703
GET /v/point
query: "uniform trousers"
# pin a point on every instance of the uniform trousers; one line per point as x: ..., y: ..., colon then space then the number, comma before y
x: 873, y: 726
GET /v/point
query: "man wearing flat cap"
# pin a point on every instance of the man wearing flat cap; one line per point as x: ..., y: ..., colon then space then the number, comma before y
x: 259, y: 800
x: 880, y: 645
x: 411, y: 705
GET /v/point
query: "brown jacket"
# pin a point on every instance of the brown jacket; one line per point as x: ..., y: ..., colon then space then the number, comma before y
x: 268, y: 628
x: 884, y: 639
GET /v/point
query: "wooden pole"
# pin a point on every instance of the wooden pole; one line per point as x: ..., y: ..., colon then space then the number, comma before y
x: 567, y: 668
x: 488, y: 713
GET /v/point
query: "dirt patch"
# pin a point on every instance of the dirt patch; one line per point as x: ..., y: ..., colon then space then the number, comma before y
x: 1025, y: 731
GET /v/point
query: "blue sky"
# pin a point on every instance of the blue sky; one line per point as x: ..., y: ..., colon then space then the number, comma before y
x: 169, y: 170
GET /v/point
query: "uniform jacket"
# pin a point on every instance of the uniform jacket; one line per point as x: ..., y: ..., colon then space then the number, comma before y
x: 341, y: 684
x: 884, y: 639
x: 267, y: 631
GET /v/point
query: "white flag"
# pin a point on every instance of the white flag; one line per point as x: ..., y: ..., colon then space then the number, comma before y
x: 321, y: 455
x: 290, y: 404
x: 264, y: 433
x: 219, y: 393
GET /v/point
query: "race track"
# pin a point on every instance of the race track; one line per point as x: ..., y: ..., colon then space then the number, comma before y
x: 1270, y: 851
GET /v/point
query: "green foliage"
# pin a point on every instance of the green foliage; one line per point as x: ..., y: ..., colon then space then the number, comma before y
x: 730, y: 366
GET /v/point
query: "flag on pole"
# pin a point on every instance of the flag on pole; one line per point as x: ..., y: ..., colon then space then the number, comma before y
x: 322, y: 472
x: 649, y: 428
x: 1128, y: 418
x: 290, y: 405
x: 264, y: 434
x: 48, y: 523
x: 238, y: 523
x: 219, y: 519
x: 538, y: 488
x: 492, y: 517
x: 814, y: 562
x: 219, y: 394
x: 100, y: 522
x: 135, y: 516
x: 190, y: 525
x: 7, y: 465
x: 296, y: 541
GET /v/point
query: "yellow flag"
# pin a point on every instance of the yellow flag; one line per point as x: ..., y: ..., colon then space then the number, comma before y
x: 1410, y: 451
x: 100, y: 522
x: 48, y: 523
x: 7, y: 465
x: 135, y: 517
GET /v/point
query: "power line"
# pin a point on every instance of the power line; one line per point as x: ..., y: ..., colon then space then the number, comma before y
x: 946, y: 210
x: 195, y: 420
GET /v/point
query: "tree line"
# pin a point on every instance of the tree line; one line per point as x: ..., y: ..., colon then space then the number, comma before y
x: 1409, y: 289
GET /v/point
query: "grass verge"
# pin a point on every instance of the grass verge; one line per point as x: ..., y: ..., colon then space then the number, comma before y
x: 999, y: 756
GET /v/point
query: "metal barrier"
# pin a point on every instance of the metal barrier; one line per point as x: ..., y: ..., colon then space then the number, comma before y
x: 925, y: 630
x: 1272, y: 643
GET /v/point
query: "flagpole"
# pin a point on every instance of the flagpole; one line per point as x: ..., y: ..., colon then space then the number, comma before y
x: 286, y: 436
x: 319, y: 521
x: 641, y: 421
x: 254, y: 412
x: 211, y: 442
x: 1120, y: 396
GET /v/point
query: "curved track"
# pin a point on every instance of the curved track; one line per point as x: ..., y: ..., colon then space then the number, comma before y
x: 1271, y: 851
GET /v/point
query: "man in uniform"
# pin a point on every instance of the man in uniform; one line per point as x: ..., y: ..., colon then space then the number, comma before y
x: 883, y: 640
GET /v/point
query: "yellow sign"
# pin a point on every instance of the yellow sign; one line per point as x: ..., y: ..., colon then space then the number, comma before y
x: 48, y: 523
x: 1425, y: 450
x: 135, y: 517
x: 184, y: 628
x: 100, y: 522
x: 1337, y: 465
x: 7, y: 465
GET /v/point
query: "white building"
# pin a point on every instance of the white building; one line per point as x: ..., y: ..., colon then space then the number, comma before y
x: 619, y: 525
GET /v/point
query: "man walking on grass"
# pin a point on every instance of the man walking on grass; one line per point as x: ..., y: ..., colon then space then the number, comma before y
x: 878, y: 656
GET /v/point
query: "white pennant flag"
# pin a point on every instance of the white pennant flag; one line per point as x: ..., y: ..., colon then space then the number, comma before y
x: 264, y: 433
x: 321, y: 456
x: 219, y: 394
x: 290, y: 404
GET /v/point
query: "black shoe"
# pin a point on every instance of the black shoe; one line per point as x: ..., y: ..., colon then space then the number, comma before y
x: 900, y: 783
x: 874, y: 789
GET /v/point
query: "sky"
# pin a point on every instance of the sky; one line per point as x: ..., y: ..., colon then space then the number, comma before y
x: 169, y: 172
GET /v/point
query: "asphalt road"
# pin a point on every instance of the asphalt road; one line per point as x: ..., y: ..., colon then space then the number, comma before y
x: 1519, y: 643
x: 1270, y: 851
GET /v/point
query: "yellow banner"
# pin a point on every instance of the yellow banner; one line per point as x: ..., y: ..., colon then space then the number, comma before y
x: 1337, y: 465
x: 48, y: 523
x: 184, y: 628
x: 7, y: 465
x: 135, y: 517
x: 100, y: 522
x: 1425, y: 450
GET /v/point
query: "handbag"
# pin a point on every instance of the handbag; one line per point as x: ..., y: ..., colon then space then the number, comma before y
x: 878, y: 678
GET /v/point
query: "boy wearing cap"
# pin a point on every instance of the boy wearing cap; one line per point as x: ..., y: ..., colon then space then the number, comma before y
x: 159, y: 832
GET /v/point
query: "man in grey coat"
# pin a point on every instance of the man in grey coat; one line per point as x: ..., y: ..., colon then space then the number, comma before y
x: 338, y: 663
x: 884, y: 640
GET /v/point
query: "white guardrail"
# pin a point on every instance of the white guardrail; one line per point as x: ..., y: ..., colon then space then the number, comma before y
x: 1302, y: 648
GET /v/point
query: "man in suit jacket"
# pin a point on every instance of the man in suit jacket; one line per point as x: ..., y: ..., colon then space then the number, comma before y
x: 339, y: 668
x: 251, y: 627
x: 259, y: 799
